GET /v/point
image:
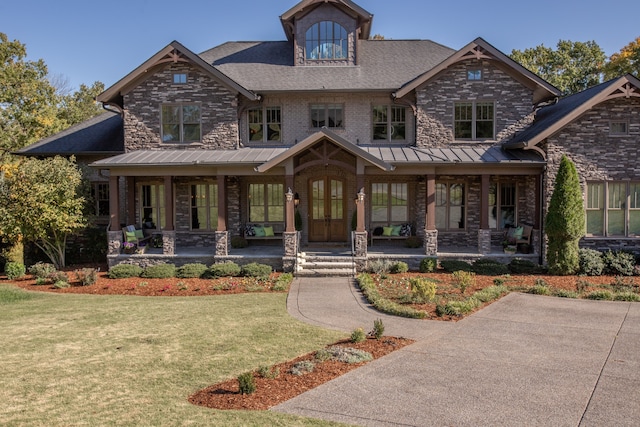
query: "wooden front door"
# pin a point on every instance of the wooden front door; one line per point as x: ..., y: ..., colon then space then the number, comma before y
x: 327, y: 210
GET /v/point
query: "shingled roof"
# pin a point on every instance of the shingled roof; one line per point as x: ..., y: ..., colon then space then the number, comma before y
x: 100, y: 135
x: 383, y: 65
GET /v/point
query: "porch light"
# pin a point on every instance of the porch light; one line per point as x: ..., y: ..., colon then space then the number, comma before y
x: 289, y: 195
x: 296, y: 200
x: 360, y: 196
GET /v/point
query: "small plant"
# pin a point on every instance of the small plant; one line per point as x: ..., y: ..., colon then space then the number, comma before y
x: 563, y: 293
x: 600, y: 295
x: 14, y: 270
x: 582, y: 285
x: 451, y: 265
x: 302, y: 367
x: 428, y: 265
x: 619, y: 262
x: 123, y: 271
x: 41, y: 281
x: 622, y: 283
x: 87, y: 276
x: 502, y: 280
x: 348, y: 355
x: 413, y: 242
x: 379, y: 266
x: 268, y: 372
x: 458, y: 308
x: 283, y: 282
x: 191, y: 271
x: 61, y: 284
x: 490, y: 293
x: 246, y: 383
x: 626, y: 296
x: 182, y: 286
x: 358, y: 335
x: 159, y: 271
x: 378, y: 329
x: 399, y: 267
x: 591, y: 262
x: 223, y: 269
x: 540, y: 289
x: 58, y: 276
x: 239, y: 242
x: 256, y: 270
x: 463, y: 279
x: 423, y: 290
x: 41, y: 270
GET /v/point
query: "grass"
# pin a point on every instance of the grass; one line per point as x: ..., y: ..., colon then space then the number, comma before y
x: 120, y: 360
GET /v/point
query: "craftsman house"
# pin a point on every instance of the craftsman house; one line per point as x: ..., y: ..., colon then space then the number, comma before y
x: 367, y: 142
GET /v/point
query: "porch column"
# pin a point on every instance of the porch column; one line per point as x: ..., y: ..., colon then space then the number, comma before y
x: 168, y: 233
x: 130, y: 184
x: 222, y: 235
x: 430, y: 232
x: 114, y: 235
x: 537, y: 238
x: 290, y: 225
x: 290, y: 235
x: 484, y: 233
x: 360, y: 235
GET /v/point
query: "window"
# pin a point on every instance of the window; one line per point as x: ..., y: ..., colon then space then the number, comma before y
x: 152, y: 210
x: 181, y: 123
x: 204, y: 206
x: 619, y: 128
x: 613, y: 209
x: 389, y: 123
x: 450, y: 202
x: 266, y: 202
x: 100, y: 196
x: 389, y: 202
x: 502, y: 205
x: 474, y: 75
x: 326, y: 115
x: 264, y: 118
x: 179, y: 78
x: 326, y: 40
x: 473, y: 120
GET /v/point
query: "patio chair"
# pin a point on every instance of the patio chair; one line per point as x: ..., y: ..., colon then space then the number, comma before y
x: 136, y: 236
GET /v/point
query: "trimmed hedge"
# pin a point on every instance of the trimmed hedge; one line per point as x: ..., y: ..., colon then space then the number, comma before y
x: 122, y: 271
x: 191, y: 271
x: 489, y: 267
x: 223, y: 269
x: 256, y: 270
x: 451, y: 265
x: 159, y: 271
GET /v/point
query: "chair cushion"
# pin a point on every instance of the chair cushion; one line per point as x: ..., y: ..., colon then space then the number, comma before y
x: 139, y: 234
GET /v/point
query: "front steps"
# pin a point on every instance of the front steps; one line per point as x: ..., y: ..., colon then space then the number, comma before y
x: 314, y: 265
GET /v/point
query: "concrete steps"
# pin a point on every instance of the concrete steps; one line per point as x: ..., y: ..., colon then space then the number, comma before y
x: 310, y: 265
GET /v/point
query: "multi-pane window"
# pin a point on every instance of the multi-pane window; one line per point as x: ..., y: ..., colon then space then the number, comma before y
x: 389, y: 202
x: 389, y: 123
x: 326, y: 40
x: 181, y: 123
x: 204, y: 206
x: 179, y: 78
x: 266, y: 202
x: 100, y: 196
x: 502, y: 205
x: 474, y: 74
x: 326, y: 115
x: 474, y: 120
x: 152, y: 209
x: 613, y: 209
x: 450, y: 203
x: 265, y: 124
x: 619, y: 128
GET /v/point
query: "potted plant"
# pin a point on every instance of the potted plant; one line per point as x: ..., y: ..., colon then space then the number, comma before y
x: 128, y: 247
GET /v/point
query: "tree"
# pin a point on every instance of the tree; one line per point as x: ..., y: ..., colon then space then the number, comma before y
x: 627, y: 61
x: 80, y: 105
x: 565, y: 221
x: 40, y: 201
x: 573, y: 67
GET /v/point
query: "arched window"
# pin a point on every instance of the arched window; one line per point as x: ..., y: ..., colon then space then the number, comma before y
x: 326, y: 40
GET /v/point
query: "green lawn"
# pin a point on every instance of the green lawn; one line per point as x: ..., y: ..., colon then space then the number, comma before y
x: 116, y: 360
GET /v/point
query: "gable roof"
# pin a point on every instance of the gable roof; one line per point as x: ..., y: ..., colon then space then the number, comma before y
x: 102, y: 134
x: 552, y: 118
x: 268, y: 66
x: 288, y: 18
x: 173, y: 52
x: 480, y: 49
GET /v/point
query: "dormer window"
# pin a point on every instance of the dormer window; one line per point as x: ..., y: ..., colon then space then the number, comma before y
x: 326, y: 40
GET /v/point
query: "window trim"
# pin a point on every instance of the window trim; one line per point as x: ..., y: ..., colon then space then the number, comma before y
x: 475, y: 74
x: 389, y: 123
x: 605, y: 210
x: 211, y: 204
x: 448, y: 205
x: 178, y: 77
x: 326, y: 106
x: 619, y: 122
x: 474, y: 119
x: 181, y: 123
x: 265, y: 123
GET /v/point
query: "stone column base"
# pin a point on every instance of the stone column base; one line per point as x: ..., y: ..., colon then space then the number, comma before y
x: 222, y: 243
x: 288, y: 264
x: 431, y: 242
x: 484, y: 241
x: 360, y: 244
x: 114, y: 241
x: 168, y: 242
x: 290, y: 243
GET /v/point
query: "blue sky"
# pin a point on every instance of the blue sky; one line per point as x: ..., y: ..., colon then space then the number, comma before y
x: 88, y: 40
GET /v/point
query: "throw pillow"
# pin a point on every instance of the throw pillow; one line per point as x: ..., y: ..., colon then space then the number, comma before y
x: 405, y: 230
x: 249, y: 231
x: 259, y: 231
x: 139, y: 234
x: 268, y: 231
x: 517, y: 234
x: 396, y: 230
x: 130, y: 236
x: 378, y: 231
x: 386, y: 231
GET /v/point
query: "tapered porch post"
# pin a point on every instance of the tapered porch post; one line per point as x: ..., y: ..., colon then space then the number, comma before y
x: 131, y: 200
x: 484, y: 233
x: 430, y: 232
x: 168, y: 233
x: 290, y: 241
x: 114, y: 235
x: 222, y: 235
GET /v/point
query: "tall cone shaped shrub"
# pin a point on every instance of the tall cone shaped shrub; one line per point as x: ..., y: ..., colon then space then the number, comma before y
x: 565, y: 222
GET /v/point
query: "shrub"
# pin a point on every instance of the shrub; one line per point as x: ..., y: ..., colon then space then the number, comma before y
x: 413, y: 242
x: 384, y: 305
x: 600, y: 295
x: 423, y: 290
x: 122, y: 271
x: 463, y: 279
x: 268, y: 372
x: 458, y: 308
x: 524, y: 266
x: 626, y: 296
x: 347, y: 355
x: 428, y: 265
x: 358, y: 335
x: 379, y: 266
x: 224, y: 269
x: 14, y: 270
x: 619, y: 262
x: 489, y: 267
x: 61, y: 284
x: 302, y: 367
x: 87, y: 276
x: 563, y: 293
x: 500, y: 281
x: 159, y: 271
x: 582, y: 285
x: 399, y: 267
x: 591, y: 262
x: 451, y: 265
x: 378, y: 329
x: 283, y: 282
x: 246, y: 383
x: 41, y: 270
x: 58, y: 276
x: 540, y: 289
x: 491, y: 293
x: 239, y: 242
x: 189, y: 271
x: 256, y: 270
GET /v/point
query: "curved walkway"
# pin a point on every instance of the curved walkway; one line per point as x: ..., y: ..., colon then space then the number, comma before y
x: 524, y: 360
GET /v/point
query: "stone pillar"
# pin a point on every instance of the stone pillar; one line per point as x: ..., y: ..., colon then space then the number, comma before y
x: 290, y: 247
x: 360, y: 244
x: 484, y: 241
x: 431, y: 242
x: 114, y: 243
x: 168, y: 242
x: 222, y: 243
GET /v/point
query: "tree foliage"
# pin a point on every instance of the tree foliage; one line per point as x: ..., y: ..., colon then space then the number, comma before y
x: 40, y: 201
x: 565, y: 222
x: 572, y: 67
x: 627, y: 61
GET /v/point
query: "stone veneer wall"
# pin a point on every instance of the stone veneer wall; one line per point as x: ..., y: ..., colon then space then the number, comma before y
x: 142, y: 110
x: 435, y: 101
x: 598, y: 156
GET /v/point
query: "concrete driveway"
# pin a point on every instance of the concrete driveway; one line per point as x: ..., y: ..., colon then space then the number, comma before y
x: 525, y: 360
